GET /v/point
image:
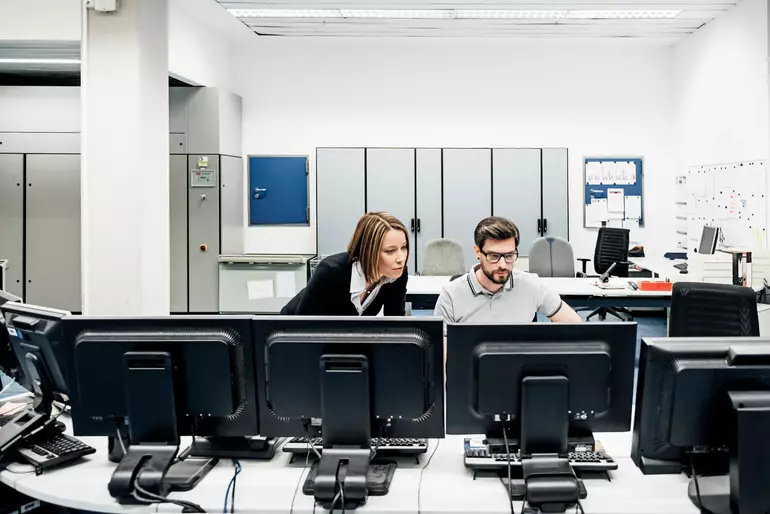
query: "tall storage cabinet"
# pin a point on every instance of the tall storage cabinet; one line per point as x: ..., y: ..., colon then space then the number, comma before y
x: 439, y: 192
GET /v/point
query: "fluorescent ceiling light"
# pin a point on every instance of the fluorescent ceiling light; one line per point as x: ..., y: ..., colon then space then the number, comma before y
x: 625, y: 14
x: 398, y: 13
x: 478, y: 14
x: 39, y: 61
x: 508, y: 14
x: 286, y: 13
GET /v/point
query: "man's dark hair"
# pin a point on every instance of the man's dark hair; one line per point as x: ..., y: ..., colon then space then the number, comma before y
x: 495, y: 228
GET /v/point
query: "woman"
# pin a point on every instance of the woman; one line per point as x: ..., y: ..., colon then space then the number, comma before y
x: 369, y: 277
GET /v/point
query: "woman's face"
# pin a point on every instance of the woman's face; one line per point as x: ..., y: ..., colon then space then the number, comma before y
x: 393, y: 254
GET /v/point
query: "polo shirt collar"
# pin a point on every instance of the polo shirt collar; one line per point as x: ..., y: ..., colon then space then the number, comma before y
x: 478, y: 289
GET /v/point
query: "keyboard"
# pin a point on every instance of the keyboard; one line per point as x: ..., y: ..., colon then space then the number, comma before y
x: 682, y: 266
x: 480, y: 459
x: 54, y: 451
x: 298, y: 445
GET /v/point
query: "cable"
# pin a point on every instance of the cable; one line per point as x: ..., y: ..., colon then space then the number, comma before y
x: 299, y: 481
x: 422, y: 470
x: 238, y: 469
x: 508, y: 452
x: 120, y: 440
x: 342, y: 489
x: 305, y: 425
x: 697, y: 487
x: 154, y: 498
x: 334, y: 501
x: 379, y: 442
x: 580, y: 506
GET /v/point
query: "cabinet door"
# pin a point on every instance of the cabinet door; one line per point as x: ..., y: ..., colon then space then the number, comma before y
x: 428, y: 199
x: 340, y: 196
x: 53, y: 231
x: 390, y: 187
x: 466, y: 195
x: 555, y: 192
x: 204, y: 239
x: 178, y: 232
x: 516, y: 191
x: 12, y: 221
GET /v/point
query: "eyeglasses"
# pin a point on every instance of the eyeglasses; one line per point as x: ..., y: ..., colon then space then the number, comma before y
x: 494, y: 258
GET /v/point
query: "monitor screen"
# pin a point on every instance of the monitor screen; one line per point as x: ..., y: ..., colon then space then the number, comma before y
x: 708, y: 240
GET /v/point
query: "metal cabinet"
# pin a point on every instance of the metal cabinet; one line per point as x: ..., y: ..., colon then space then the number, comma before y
x: 467, y: 194
x: 12, y: 221
x: 428, y: 180
x: 555, y: 192
x: 204, y: 237
x: 178, y: 232
x: 53, y: 231
x: 341, y: 193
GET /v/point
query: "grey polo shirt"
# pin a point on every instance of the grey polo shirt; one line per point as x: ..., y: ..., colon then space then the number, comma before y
x: 524, y: 295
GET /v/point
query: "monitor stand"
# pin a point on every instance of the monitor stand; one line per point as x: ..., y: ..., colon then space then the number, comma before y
x: 745, y: 488
x: 256, y: 448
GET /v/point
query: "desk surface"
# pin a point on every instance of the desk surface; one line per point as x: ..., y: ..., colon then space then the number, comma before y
x: 447, y: 487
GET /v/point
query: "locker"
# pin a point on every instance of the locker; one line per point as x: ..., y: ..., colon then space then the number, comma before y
x: 390, y: 187
x: 204, y: 237
x: 467, y: 197
x: 428, y: 179
x: 12, y: 220
x: 556, y: 185
x: 516, y: 191
x: 233, y: 209
x: 53, y: 272
x: 341, y: 196
x: 178, y: 231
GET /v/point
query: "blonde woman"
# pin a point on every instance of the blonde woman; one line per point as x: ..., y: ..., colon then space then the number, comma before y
x: 369, y: 277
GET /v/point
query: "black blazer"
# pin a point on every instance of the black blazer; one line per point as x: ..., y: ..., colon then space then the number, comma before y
x: 328, y: 292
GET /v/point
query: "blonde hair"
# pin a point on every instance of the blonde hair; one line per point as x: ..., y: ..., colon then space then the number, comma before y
x: 366, y: 244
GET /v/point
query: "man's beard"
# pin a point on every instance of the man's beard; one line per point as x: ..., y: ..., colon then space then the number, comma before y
x: 497, y: 279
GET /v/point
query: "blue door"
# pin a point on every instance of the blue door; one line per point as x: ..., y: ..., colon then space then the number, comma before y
x: 278, y: 191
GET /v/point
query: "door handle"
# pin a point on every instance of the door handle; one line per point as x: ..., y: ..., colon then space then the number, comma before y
x: 418, y: 224
x: 545, y: 225
x: 539, y: 226
x: 259, y: 193
x: 411, y: 225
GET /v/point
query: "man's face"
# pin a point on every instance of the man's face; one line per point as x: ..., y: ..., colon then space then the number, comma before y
x: 498, y: 272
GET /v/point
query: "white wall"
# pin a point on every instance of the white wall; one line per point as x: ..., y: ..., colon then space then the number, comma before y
x: 593, y: 98
x: 40, y: 19
x: 721, y: 75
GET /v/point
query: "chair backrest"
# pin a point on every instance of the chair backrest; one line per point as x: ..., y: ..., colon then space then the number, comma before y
x: 611, y: 247
x: 443, y: 257
x: 701, y: 309
x: 552, y: 257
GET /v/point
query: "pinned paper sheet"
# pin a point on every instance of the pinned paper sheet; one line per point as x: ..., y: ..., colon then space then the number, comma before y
x: 608, y: 173
x: 634, y: 208
x: 260, y: 289
x: 631, y: 224
x: 285, y: 284
x: 596, y: 212
x: 593, y: 173
x: 615, y: 200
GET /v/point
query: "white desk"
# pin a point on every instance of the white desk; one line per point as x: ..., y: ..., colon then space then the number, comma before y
x: 447, y: 487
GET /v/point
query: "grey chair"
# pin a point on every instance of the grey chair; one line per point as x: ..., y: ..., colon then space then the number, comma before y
x: 552, y: 257
x: 443, y: 257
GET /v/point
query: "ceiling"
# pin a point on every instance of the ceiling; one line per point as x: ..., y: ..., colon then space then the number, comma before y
x: 566, y: 19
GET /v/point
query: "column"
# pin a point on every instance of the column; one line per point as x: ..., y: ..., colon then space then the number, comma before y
x: 125, y: 160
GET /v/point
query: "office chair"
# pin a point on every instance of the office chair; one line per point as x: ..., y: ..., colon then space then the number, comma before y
x: 443, y: 257
x: 701, y: 309
x: 611, y: 258
x: 552, y: 257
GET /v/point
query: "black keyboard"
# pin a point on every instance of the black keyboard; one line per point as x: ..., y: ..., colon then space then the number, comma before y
x: 384, y: 446
x: 481, y: 459
x: 56, y: 450
x: 682, y: 266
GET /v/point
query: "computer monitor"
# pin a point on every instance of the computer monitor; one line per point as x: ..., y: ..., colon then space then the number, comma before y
x: 349, y: 380
x: 161, y: 378
x: 7, y: 359
x: 541, y: 388
x: 704, y: 403
x: 709, y: 240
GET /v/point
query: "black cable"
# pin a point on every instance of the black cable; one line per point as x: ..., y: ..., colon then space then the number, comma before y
x: 422, y: 470
x: 702, y: 509
x: 154, y: 498
x: 508, y: 452
x: 238, y: 469
x: 299, y: 481
x: 379, y: 442
x: 334, y: 501
x: 311, y: 446
x: 580, y: 506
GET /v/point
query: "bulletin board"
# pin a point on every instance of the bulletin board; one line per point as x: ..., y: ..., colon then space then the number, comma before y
x: 732, y: 197
x: 614, y: 193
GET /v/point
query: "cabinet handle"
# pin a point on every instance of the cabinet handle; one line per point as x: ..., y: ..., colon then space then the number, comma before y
x: 539, y: 226
x: 411, y: 225
x: 545, y: 226
x: 418, y: 224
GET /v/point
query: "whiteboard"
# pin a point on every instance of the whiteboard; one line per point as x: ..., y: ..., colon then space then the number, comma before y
x: 731, y: 196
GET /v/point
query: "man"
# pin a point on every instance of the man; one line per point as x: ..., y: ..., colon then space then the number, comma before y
x: 492, y: 291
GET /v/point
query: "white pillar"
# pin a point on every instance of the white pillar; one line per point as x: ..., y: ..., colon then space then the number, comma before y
x: 125, y: 159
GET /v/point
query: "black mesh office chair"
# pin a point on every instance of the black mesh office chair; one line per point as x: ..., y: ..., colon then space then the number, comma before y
x: 611, y: 258
x: 700, y: 309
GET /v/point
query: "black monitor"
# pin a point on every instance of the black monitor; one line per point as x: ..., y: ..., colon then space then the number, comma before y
x: 349, y: 380
x: 541, y: 388
x: 709, y: 240
x: 162, y: 378
x: 704, y: 403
